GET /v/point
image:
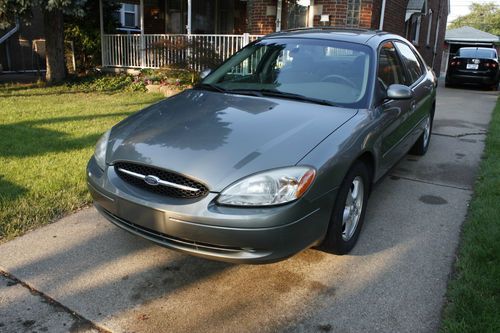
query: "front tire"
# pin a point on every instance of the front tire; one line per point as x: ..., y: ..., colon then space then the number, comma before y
x: 348, y: 211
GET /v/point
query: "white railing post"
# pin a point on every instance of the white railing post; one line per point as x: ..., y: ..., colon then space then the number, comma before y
x: 143, y: 42
x: 101, y: 27
x: 246, y: 39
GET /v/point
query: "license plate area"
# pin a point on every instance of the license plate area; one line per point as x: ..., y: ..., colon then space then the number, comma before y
x: 472, y: 66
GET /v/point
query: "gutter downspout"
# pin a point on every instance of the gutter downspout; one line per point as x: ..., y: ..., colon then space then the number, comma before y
x: 279, y: 8
x: 189, y: 18
x: 382, y: 15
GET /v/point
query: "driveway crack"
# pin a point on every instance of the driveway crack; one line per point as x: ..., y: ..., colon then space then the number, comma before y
x: 77, y: 317
x: 431, y: 183
x: 460, y: 135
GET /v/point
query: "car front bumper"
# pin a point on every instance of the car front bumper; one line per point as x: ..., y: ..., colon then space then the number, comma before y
x: 202, y: 228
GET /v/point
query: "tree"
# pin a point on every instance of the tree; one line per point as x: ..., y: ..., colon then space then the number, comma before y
x: 485, y: 17
x: 53, y: 20
x: 84, y: 32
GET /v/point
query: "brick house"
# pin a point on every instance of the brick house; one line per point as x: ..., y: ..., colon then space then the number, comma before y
x: 423, y: 22
x: 230, y: 24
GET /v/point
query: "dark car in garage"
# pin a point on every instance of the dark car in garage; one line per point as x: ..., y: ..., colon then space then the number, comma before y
x: 275, y: 151
x: 474, y: 65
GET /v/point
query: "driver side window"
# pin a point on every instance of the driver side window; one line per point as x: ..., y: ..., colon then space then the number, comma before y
x: 390, y: 68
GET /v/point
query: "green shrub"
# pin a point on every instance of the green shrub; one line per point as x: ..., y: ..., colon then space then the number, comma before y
x: 106, y: 83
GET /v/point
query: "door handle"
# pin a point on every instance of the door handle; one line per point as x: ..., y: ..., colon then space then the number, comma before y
x: 413, y: 105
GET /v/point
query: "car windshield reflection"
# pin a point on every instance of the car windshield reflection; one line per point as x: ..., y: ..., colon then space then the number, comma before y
x: 323, y: 71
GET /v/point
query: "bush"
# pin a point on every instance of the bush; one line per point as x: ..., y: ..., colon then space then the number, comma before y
x: 106, y: 83
x: 169, y: 77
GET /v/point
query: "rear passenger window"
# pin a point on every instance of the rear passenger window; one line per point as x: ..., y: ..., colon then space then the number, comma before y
x: 390, y: 69
x: 411, y: 61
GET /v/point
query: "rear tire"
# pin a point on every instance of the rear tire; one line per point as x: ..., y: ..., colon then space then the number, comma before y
x: 348, y: 211
x: 420, y: 147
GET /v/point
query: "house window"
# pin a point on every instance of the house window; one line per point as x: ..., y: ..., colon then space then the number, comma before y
x: 353, y: 12
x: 413, y: 29
x: 429, y: 28
x: 128, y: 16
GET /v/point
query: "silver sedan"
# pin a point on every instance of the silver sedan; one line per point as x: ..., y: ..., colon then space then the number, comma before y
x: 275, y: 151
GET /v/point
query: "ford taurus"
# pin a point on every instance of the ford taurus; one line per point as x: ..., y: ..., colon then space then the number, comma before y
x: 273, y: 152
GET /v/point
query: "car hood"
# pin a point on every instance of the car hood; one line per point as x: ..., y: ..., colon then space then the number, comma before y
x: 219, y: 138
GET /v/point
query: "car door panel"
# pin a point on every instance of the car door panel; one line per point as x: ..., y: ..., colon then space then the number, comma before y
x: 393, y: 113
x: 421, y: 85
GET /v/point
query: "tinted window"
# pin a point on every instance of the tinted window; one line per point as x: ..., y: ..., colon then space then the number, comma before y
x: 390, y: 70
x: 477, y: 53
x: 411, y: 61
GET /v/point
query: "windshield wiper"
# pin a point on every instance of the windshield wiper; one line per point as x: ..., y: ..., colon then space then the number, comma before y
x: 250, y: 92
x: 209, y: 86
x: 277, y: 93
x: 298, y: 97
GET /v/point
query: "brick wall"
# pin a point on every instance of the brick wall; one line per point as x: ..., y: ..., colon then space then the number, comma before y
x: 394, y: 18
x: 394, y: 21
x: 432, y: 56
x: 258, y: 22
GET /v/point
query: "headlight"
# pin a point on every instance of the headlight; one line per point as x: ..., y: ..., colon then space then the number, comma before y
x: 269, y: 188
x: 100, y: 150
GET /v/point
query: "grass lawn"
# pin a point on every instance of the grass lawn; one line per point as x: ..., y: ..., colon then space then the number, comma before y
x: 474, y: 292
x: 47, y: 136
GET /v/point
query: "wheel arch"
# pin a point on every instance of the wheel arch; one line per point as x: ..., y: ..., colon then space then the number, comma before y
x: 368, y: 159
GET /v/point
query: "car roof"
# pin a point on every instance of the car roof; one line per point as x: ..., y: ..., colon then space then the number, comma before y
x: 361, y: 36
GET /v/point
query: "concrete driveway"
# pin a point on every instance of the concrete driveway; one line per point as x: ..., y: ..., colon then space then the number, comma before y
x: 82, y: 268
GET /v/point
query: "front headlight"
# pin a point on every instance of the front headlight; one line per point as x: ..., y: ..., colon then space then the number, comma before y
x: 269, y: 188
x: 100, y: 150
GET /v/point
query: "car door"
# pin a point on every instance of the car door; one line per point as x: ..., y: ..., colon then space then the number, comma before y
x: 393, y: 113
x: 422, y: 87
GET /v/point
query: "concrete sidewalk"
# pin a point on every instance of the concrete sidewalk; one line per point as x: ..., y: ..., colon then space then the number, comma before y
x: 393, y: 281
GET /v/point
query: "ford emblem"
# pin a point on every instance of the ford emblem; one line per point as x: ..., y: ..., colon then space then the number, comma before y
x: 152, y: 180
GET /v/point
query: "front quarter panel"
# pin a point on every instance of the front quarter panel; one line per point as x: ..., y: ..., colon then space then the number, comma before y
x: 334, y: 156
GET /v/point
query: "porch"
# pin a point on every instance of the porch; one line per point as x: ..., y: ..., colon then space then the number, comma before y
x: 160, y: 50
x: 152, y: 28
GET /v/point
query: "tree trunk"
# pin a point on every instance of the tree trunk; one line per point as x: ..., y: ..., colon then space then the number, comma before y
x: 54, y: 45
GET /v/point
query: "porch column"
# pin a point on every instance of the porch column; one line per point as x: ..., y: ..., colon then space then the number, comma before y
x: 189, y: 10
x: 101, y: 25
x: 143, y: 42
x: 279, y: 6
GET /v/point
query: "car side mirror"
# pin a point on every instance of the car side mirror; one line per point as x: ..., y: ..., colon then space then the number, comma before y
x: 204, y: 73
x: 399, y: 91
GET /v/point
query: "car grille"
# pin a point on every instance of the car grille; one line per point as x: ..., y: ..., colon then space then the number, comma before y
x: 171, y: 184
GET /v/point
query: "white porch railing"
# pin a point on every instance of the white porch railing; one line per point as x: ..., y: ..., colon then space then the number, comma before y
x: 158, y: 50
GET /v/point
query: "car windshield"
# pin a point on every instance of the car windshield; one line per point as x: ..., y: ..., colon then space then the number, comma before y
x: 477, y: 53
x: 322, y: 71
